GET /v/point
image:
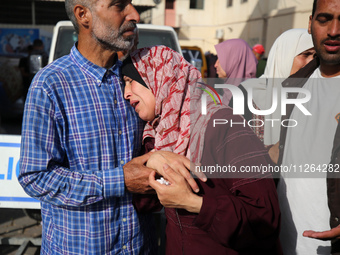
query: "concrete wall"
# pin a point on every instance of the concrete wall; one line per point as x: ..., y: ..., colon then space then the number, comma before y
x: 259, y: 21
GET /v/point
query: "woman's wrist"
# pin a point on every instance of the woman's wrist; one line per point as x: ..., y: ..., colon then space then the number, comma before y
x: 194, y: 204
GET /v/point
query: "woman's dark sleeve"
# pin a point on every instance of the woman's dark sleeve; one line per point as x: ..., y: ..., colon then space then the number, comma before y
x: 146, y: 203
x: 245, y: 213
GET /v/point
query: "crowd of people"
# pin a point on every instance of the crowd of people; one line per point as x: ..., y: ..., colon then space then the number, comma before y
x: 107, y: 140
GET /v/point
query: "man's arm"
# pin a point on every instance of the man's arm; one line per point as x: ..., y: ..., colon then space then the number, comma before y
x: 45, y: 173
x: 274, y: 152
x: 136, y: 175
x: 333, y: 233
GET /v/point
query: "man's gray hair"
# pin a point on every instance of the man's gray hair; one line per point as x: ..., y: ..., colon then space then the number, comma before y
x: 69, y: 5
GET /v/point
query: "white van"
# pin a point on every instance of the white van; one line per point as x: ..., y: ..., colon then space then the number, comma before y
x: 64, y: 37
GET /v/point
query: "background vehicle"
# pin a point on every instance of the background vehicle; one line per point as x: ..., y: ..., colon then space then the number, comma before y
x: 196, y: 57
x: 64, y: 37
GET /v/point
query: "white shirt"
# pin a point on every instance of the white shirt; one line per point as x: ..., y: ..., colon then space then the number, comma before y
x: 303, y: 200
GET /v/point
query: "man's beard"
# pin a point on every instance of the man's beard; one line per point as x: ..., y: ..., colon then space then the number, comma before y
x: 114, y: 39
x: 326, y: 57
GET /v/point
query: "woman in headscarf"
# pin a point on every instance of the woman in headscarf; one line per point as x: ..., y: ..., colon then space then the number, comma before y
x: 291, y: 51
x: 232, y: 213
x: 235, y: 63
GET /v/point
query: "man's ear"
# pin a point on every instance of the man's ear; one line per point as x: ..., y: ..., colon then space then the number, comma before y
x: 83, y: 15
x: 310, y: 24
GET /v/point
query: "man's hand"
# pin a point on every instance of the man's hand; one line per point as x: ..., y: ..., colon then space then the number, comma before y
x: 136, y: 175
x: 178, y: 163
x: 178, y: 194
x: 334, y: 233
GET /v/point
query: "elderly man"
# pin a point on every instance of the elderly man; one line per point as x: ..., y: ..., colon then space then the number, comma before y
x: 79, y: 136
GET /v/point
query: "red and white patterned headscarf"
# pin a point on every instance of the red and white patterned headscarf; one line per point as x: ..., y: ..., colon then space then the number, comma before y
x: 173, y: 81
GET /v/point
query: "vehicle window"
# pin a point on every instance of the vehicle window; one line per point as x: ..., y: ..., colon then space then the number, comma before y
x: 11, y: 96
x: 149, y: 37
x: 191, y: 54
x: 66, y: 39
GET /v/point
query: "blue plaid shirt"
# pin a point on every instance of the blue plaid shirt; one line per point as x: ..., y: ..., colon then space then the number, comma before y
x: 78, y: 132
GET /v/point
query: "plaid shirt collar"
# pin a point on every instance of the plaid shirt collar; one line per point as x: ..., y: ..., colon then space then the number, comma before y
x: 92, y: 69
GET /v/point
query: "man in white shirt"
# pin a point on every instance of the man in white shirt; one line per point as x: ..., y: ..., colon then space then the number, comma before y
x: 312, y: 202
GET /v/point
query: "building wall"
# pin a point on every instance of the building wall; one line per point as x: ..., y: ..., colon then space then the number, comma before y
x: 256, y: 21
x: 45, y: 28
x: 158, y: 13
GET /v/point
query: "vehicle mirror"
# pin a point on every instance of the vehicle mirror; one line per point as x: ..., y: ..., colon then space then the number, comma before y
x: 196, y: 63
x: 35, y: 63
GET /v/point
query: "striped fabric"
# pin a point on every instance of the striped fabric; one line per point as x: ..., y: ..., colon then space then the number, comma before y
x: 78, y: 132
x: 169, y: 77
x: 177, y: 85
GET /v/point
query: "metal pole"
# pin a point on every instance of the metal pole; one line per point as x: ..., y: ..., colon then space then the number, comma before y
x: 23, y: 248
x: 33, y: 12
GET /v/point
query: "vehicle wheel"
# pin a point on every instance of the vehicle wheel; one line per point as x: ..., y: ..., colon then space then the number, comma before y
x: 34, y: 214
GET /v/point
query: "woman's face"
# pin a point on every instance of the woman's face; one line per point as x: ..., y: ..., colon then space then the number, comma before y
x: 141, y: 99
x: 302, y: 59
x: 219, y: 70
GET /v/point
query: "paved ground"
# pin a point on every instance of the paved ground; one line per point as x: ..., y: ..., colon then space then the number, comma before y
x: 14, y: 226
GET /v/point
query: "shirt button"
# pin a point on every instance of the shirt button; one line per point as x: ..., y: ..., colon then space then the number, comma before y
x: 281, y: 146
x: 115, y: 101
x: 120, y: 132
x: 124, y: 219
x: 124, y: 247
x: 122, y: 162
x: 336, y: 219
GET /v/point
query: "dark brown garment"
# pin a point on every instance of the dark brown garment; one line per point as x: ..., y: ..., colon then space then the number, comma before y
x: 238, y: 215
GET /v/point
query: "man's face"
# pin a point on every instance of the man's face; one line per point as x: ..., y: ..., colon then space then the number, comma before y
x: 114, y: 24
x: 325, y: 29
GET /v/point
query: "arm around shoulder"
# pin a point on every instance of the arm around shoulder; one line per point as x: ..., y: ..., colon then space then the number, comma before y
x: 45, y: 171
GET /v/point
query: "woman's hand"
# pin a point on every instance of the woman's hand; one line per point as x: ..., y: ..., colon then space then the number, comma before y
x: 178, y: 163
x: 178, y: 194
